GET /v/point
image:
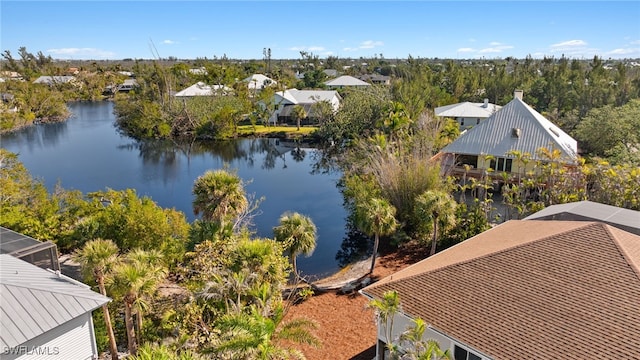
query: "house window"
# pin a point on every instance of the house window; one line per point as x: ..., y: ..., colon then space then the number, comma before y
x: 464, y: 354
x: 477, y: 121
x: 461, y: 122
x: 501, y: 164
x: 468, y: 160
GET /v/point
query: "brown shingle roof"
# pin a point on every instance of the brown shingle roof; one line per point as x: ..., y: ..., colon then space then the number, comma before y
x: 531, y: 290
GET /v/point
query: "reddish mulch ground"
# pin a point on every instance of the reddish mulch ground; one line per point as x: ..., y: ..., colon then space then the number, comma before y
x: 346, y: 326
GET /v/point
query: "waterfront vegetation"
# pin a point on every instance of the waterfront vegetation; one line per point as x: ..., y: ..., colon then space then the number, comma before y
x: 231, y: 301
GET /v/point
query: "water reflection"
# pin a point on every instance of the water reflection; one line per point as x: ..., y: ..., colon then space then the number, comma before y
x: 86, y: 153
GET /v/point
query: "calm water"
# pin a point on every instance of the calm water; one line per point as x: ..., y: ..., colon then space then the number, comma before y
x: 86, y: 153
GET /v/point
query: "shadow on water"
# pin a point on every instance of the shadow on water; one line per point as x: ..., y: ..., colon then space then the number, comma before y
x: 355, y: 246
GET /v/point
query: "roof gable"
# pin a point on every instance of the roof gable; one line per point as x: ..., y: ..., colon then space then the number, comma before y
x: 34, y: 301
x: 495, y: 136
x: 467, y: 110
x: 202, y: 89
x: 346, y: 80
x: 259, y: 81
x: 295, y: 96
x: 625, y: 219
x: 563, y: 292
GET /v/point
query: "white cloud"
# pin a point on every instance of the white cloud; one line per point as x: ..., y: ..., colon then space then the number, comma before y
x: 569, y: 44
x: 495, y: 48
x: 635, y: 42
x: 169, y: 42
x: 349, y: 49
x: 370, y: 44
x: 466, y: 50
x: 81, y: 53
x: 626, y: 51
x: 307, y: 48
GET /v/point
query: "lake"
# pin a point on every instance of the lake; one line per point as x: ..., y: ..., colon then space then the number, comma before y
x: 87, y: 153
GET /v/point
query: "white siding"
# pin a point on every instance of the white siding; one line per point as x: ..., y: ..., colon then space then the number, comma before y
x: 73, y: 340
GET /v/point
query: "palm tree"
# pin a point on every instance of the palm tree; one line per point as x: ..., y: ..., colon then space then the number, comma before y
x: 251, y: 335
x: 439, y: 209
x: 415, y: 347
x: 298, y: 234
x: 376, y: 217
x: 298, y: 113
x: 132, y: 280
x: 386, y: 308
x: 96, y: 259
x: 219, y: 196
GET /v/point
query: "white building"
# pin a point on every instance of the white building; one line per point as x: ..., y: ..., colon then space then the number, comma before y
x: 44, y: 314
x: 467, y: 114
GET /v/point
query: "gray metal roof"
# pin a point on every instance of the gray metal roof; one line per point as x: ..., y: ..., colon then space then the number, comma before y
x: 495, y: 136
x: 202, y: 89
x: 53, y: 79
x: 468, y: 110
x: 346, y: 80
x: 625, y: 219
x: 34, y: 301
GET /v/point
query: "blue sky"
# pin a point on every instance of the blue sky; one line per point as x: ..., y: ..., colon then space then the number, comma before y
x: 346, y: 29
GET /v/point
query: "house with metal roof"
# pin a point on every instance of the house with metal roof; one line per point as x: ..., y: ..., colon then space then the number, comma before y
x: 525, y: 289
x: 44, y: 314
x: 284, y: 101
x: 53, y: 80
x: 376, y: 79
x: 346, y: 81
x: 494, y: 143
x: 625, y: 219
x: 259, y: 82
x: 202, y: 89
x: 467, y: 114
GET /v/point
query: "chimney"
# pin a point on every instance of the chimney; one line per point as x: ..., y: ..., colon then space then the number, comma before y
x: 486, y: 103
x: 517, y: 94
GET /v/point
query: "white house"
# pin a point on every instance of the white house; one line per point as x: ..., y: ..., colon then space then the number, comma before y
x: 525, y: 289
x: 44, y: 314
x: 346, y: 81
x: 202, y: 89
x: 284, y: 101
x: 468, y: 114
x: 259, y: 82
x: 52, y: 80
x: 515, y: 128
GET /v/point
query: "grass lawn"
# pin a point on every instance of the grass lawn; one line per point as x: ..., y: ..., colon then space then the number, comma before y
x: 261, y: 130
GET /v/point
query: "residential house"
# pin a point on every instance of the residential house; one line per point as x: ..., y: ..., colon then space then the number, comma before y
x: 10, y: 75
x: 494, y: 143
x: 525, y: 289
x: 44, y: 314
x: 467, y: 114
x: 202, y: 89
x: 53, y: 80
x: 376, y: 79
x: 625, y: 219
x: 198, y: 71
x: 346, y: 81
x: 127, y: 85
x: 284, y: 101
x: 259, y: 82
